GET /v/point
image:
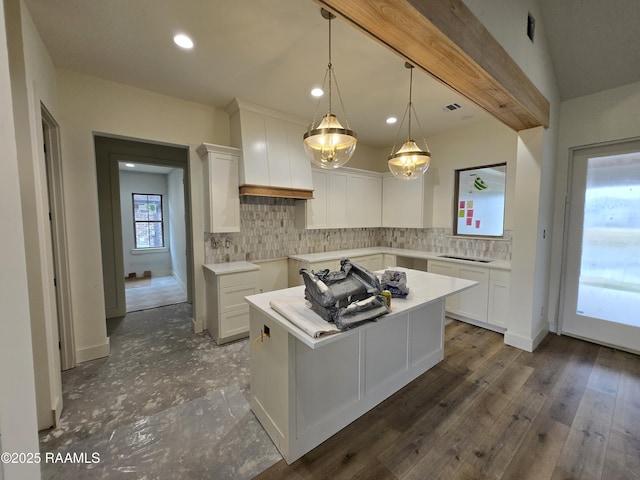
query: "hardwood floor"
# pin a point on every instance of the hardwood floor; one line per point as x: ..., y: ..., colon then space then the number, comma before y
x: 570, y: 410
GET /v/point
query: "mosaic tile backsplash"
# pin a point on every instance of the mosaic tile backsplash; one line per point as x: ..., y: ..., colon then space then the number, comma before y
x: 268, y: 231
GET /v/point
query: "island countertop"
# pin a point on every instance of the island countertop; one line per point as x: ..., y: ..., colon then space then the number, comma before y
x: 424, y: 288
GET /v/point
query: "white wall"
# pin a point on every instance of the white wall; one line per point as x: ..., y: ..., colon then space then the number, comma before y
x: 599, y: 118
x: 178, y: 245
x: 506, y: 20
x: 31, y: 70
x: 159, y: 263
x: 486, y: 143
x: 18, y: 428
x: 88, y: 105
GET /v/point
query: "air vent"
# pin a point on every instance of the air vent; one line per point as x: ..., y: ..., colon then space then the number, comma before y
x: 451, y: 107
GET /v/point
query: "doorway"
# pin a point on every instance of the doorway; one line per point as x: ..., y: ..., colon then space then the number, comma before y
x: 153, y: 234
x: 59, y: 249
x: 601, y: 278
x: 110, y: 152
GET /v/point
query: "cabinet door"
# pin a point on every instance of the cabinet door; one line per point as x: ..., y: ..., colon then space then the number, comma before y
x: 388, y: 260
x: 364, y: 201
x: 277, y: 152
x: 221, y: 190
x: 317, y: 209
x: 402, y: 203
x: 498, y: 303
x: 337, y: 203
x: 450, y: 270
x: 298, y: 160
x: 473, y: 302
x: 255, y: 164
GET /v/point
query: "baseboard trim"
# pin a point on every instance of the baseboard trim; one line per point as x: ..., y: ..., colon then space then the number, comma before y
x: 94, y: 352
x: 525, y: 343
x: 179, y: 281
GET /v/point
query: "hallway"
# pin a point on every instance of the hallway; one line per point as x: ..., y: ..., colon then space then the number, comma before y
x: 167, y: 403
x: 150, y: 292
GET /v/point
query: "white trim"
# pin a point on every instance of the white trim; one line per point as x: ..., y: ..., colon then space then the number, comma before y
x: 93, y: 352
x: 179, y: 281
x: 524, y: 343
x: 143, y: 251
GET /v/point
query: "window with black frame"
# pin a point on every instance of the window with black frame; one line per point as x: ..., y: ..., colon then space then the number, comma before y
x: 148, y: 221
x: 480, y: 201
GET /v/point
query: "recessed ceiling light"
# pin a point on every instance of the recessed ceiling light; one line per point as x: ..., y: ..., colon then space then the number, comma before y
x: 183, y: 41
x: 317, y: 92
x: 391, y: 120
x: 130, y: 165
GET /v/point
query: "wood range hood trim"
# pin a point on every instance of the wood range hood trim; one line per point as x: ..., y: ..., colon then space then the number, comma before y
x: 278, y: 192
x: 447, y: 41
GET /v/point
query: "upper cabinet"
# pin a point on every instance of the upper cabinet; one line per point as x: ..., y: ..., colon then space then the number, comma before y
x: 343, y: 198
x: 273, y: 161
x: 406, y: 204
x: 222, y: 200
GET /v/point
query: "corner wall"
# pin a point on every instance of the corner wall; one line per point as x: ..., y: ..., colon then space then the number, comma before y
x: 91, y: 105
x: 18, y: 428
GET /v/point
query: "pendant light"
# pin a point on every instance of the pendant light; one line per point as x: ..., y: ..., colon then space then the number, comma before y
x: 409, y: 162
x: 329, y: 145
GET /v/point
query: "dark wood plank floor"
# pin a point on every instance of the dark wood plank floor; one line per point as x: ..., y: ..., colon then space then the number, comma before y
x: 570, y: 410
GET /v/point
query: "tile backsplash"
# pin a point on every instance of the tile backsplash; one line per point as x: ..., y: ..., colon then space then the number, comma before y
x: 268, y: 231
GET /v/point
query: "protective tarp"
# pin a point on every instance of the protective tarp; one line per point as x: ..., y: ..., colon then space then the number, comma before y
x: 348, y: 297
x: 395, y: 282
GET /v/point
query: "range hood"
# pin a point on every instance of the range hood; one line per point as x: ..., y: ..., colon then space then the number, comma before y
x: 273, y: 161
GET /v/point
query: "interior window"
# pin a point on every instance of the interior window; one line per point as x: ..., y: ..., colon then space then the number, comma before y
x: 479, y: 201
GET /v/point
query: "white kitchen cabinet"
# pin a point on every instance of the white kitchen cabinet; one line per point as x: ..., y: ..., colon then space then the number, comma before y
x: 222, y: 199
x: 295, y: 266
x: 273, y: 160
x: 364, y: 201
x: 487, y: 302
x: 388, y: 260
x: 448, y: 269
x: 317, y: 209
x: 342, y: 198
x: 337, y: 201
x: 499, y: 281
x: 406, y: 204
x: 473, y: 303
x: 370, y: 262
x: 227, y: 311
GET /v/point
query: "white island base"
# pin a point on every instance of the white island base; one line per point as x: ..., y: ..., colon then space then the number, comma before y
x: 304, y: 389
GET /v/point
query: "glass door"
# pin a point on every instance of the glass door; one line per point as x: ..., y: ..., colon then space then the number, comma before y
x: 602, y: 252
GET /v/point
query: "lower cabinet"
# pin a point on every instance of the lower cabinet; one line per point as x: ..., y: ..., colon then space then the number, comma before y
x: 499, y: 281
x: 295, y: 266
x: 227, y: 311
x: 487, y: 302
x: 370, y: 262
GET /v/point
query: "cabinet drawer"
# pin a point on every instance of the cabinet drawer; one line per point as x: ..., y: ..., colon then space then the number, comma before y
x: 500, y: 275
x: 234, y: 324
x: 240, y: 278
x: 232, y: 298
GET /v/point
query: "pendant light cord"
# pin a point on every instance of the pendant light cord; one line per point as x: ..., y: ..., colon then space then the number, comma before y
x: 330, y: 66
x: 410, y: 96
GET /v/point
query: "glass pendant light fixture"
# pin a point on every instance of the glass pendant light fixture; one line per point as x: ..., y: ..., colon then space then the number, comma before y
x: 329, y: 144
x: 409, y: 162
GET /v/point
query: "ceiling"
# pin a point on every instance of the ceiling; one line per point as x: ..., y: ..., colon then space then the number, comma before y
x: 594, y: 44
x: 273, y: 52
x: 269, y: 52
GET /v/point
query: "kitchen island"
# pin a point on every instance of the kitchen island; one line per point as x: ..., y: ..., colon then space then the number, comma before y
x: 305, y: 389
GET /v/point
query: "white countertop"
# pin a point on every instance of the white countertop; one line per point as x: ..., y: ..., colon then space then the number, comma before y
x: 400, y: 252
x: 424, y: 288
x: 230, y: 267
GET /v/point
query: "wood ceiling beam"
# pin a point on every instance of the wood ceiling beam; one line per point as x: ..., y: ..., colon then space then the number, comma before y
x: 444, y: 39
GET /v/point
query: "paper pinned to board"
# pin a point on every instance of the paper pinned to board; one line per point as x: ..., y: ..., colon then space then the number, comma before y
x: 299, y: 313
